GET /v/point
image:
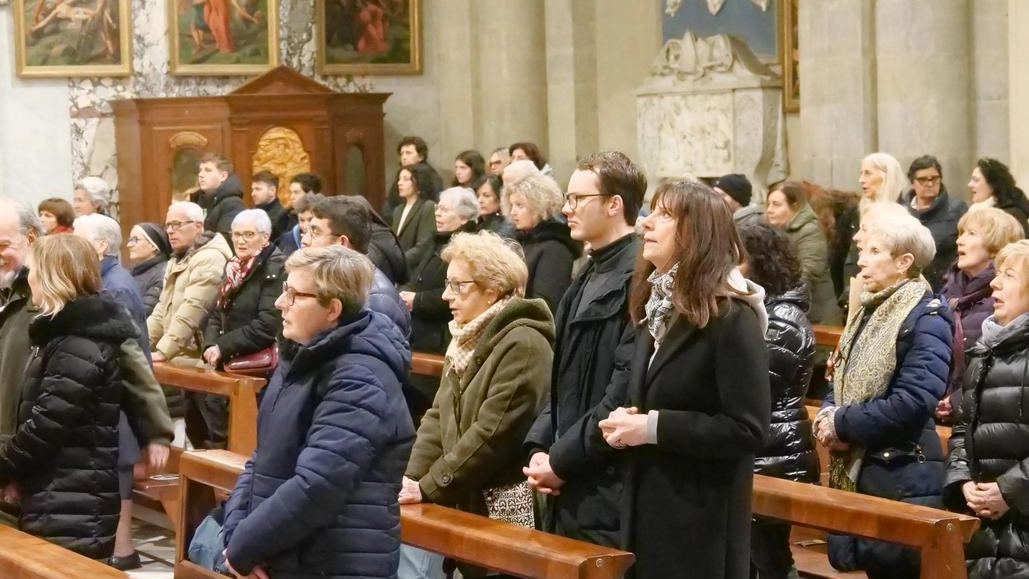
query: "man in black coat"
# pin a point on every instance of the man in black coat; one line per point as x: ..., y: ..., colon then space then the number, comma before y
x: 264, y: 190
x: 592, y: 355
x: 221, y: 194
x: 928, y: 201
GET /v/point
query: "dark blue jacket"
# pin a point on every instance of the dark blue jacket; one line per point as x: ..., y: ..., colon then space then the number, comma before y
x: 903, y: 458
x: 318, y: 498
x: 119, y: 284
x: 384, y: 298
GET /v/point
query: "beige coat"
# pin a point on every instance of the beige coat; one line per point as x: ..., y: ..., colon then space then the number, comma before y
x: 190, y: 290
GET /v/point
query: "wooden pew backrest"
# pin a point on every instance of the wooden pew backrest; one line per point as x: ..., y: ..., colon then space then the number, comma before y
x: 23, y: 556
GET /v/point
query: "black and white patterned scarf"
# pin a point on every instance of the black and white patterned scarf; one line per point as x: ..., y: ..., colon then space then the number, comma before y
x: 660, y: 306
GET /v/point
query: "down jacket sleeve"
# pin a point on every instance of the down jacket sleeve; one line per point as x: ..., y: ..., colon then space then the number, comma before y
x: 67, y: 387
x: 347, y: 430
x: 918, y: 383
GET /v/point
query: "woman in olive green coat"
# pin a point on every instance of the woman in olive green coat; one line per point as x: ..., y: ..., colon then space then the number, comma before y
x: 789, y: 210
x: 496, y: 378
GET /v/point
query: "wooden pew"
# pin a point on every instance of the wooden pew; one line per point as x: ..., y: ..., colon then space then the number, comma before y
x: 162, y: 491
x: 827, y: 336
x: 464, y: 536
x: 23, y: 556
x: 424, y: 364
x: 938, y: 535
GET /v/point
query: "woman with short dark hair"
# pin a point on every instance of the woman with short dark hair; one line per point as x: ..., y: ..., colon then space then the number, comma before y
x: 697, y: 407
x: 413, y: 220
x: 56, y: 215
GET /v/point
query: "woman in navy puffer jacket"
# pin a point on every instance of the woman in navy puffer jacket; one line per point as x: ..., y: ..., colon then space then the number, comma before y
x: 318, y: 498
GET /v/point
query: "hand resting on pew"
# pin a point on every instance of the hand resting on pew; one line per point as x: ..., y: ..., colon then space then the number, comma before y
x: 410, y: 492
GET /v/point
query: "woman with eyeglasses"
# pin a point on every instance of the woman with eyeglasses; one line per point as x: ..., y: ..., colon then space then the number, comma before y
x: 318, y: 497
x: 533, y: 205
x: 928, y: 201
x: 244, y: 320
x: 149, y: 251
x: 496, y: 377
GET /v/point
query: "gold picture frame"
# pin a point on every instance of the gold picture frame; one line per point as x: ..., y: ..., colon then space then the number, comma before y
x: 790, y: 55
x: 375, y: 38
x: 245, y: 43
x: 88, y: 38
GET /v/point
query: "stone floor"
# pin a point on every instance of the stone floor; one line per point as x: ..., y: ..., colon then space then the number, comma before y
x: 156, y: 548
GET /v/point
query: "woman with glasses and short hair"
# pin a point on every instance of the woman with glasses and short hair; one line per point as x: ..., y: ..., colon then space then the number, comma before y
x: 318, y: 497
x: 149, y: 251
x: 496, y: 377
x: 244, y: 320
x: 928, y: 201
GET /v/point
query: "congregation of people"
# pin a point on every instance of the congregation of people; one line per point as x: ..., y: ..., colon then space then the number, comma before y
x: 620, y: 360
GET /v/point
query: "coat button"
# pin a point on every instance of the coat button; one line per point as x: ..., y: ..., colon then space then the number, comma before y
x: 886, y: 455
x: 446, y: 479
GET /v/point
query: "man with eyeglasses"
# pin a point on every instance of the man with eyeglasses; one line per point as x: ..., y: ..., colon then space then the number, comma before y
x: 928, y: 201
x: 592, y: 354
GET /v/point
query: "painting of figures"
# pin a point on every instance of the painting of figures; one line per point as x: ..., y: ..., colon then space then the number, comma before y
x: 368, y: 37
x: 223, y: 37
x: 72, y: 38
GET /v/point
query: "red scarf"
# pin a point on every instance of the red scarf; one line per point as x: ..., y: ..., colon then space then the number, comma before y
x: 235, y: 272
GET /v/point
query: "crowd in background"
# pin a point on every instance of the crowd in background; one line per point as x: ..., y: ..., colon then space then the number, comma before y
x: 632, y: 363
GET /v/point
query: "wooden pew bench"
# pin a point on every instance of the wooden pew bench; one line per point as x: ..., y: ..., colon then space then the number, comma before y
x: 23, y: 556
x: 464, y: 536
x: 161, y: 491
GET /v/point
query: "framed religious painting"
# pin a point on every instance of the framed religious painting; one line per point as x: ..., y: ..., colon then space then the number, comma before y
x: 368, y: 37
x: 223, y: 37
x: 790, y: 55
x: 72, y: 38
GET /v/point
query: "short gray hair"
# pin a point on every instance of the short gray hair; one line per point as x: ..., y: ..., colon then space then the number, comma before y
x: 339, y: 273
x: 258, y: 217
x: 193, y: 211
x: 466, y: 204
x: 28, y: 219
x: 97, y: 227
x: 905, y: 234
x: 98, y: 190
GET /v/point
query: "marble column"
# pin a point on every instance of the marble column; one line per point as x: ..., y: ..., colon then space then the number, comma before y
x: 988, y: 78
x: 838, y: 114
x: 512, y: 74
x: 922, y: 77
x: 1018, y: 96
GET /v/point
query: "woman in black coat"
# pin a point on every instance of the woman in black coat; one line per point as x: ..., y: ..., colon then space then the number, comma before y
x: 491, y: 217
x: 697, y: 408
x: 789, y: 452
x: 150, y: 251
x: 988, y: 462
x: 62, y: 460
x: 413, y: 219
x: 430, y: 314
x: 993, y: 185
x: 534, y: 207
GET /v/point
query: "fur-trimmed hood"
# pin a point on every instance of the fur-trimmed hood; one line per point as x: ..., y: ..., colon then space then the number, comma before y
x: 92, y: 317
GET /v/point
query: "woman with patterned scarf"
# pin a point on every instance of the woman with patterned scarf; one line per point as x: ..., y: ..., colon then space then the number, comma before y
x: 698, y: 404
x: 887, y: 375
x: 496, y: 378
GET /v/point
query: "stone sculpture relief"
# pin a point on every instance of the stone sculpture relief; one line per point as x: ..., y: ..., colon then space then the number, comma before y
x: 719, y: 57
x: 713, y: 6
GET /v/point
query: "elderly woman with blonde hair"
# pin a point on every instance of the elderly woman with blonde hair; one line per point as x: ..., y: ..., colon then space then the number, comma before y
x: 496, y: 377
x: 887, y: 376
x: 989, y: 449
x: 533, y: 205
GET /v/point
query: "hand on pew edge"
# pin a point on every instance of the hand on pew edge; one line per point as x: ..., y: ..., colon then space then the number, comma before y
x: 156, y: 457
x: 10, y: 494
x: 257, y: 573
x: 410, y: 492
x: 541, y: 476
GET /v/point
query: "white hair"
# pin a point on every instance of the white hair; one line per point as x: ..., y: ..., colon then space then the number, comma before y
x: 193, y: 211
x: 905, y: 234
x: 466, y: 205
x: 257, y: 217
x: 97, y: 227
x: 28, y: 219
x: 893, y: 176
x: 98, y: 190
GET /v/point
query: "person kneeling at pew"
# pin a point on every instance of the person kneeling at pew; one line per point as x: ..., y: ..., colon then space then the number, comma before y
x: 318, y: 497
x: 888, y: 374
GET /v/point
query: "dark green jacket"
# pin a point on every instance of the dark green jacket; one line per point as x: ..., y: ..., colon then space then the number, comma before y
x: 471, y: 438
x: 16, y: 313
x: 812, y: 251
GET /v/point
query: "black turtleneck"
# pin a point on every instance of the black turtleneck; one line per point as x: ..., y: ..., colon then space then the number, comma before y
x: 602, y: 267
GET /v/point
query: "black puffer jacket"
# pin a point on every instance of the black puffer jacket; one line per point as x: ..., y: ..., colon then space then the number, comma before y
x: 991, y: 444
x: 549, y: 253
x: 789, y: 452
x: 249, y: 321
x: 64, y: 455
x: 149, y: 275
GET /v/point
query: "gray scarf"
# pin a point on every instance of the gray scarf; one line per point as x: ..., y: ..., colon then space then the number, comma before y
x: 659, y: 305
x: 994, y: 333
